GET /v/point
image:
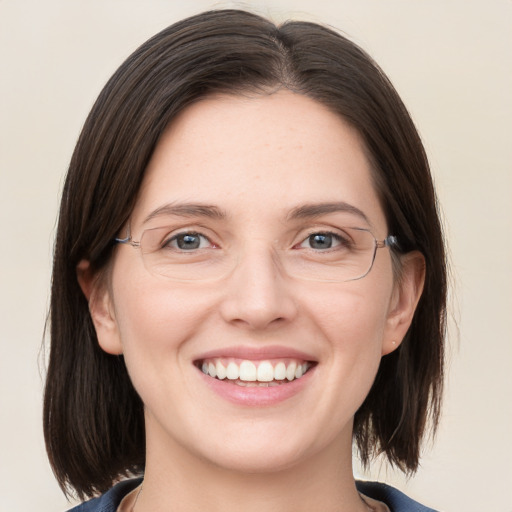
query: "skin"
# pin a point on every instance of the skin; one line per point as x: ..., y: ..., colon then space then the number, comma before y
x: 257, y: 159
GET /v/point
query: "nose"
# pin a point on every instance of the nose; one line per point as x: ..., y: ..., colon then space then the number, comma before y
x: 258, y: 295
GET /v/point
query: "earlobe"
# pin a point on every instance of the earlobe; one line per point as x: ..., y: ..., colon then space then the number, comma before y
x: 407, y: 293
x: 101, y: 308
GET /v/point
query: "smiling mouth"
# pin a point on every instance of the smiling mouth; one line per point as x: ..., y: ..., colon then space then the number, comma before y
x: 247, y: 373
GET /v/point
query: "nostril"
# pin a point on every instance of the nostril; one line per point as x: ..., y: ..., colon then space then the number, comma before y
x: 256, y: 296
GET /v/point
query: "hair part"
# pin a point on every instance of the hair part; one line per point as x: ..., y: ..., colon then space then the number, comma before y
x: 93, y: 417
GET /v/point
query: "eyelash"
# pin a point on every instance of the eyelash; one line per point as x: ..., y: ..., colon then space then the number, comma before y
x: 342, y: 241
x: 168, y: 241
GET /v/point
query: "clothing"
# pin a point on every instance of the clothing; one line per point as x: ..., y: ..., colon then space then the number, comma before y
x: 393, y: 498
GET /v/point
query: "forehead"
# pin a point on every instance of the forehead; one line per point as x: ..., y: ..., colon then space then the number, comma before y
x: 266, y: 153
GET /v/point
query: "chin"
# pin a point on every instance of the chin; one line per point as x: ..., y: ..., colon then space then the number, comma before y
x: 256, y: 459
x: 269, y: 448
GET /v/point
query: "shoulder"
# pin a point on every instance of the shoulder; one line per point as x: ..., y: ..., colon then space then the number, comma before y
x: 109, y: 501
x: 393, y: 498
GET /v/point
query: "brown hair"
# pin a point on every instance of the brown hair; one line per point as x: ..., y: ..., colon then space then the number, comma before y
x: 93, y: 418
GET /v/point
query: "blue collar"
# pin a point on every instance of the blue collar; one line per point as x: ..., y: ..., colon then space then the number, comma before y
x: 393, y: 498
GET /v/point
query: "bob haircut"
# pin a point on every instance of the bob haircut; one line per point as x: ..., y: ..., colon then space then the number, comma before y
x: 93, y: 417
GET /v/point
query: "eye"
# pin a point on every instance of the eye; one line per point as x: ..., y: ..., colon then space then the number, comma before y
x: 322, y: 241
x: 188, y: 242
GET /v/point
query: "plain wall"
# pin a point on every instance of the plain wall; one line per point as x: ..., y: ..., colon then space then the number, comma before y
x: 451, y: 61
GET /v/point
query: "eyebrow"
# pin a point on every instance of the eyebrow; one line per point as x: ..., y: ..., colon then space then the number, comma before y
x: 187, y: 210
x: 308, y: 211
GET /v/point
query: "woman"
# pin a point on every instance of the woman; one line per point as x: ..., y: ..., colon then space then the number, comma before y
x: 249, y: 276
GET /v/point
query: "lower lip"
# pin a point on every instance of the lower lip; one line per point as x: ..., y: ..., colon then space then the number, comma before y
x: 256, y: 396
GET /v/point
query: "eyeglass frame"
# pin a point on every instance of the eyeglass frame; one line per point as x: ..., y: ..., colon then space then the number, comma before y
x: 391, y: 242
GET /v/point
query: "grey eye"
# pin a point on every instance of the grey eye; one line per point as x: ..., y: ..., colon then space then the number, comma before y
x: 320, y: 241
x: 188, y: 241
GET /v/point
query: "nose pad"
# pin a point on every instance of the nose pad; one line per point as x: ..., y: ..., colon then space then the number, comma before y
x: 258, y: 292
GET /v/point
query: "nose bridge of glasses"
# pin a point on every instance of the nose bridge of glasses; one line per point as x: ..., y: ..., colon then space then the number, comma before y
x: 259, y: 257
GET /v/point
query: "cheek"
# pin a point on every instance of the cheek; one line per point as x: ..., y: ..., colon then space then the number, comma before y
x: 154, y: 318
x: 351, y: 318
x: 157, y: 326
x: 151, y: 316
x: 351, y: 323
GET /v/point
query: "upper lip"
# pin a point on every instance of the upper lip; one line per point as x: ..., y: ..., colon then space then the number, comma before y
x: 257, y: 353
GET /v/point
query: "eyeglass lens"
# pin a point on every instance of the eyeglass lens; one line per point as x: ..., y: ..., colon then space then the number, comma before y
x: 321, y: 257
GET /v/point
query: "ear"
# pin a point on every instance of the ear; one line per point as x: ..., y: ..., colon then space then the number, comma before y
x: 98, y: 295
x: 407, y: 293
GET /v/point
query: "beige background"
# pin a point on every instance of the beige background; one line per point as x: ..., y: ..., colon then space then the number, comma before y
x: 451, y: 60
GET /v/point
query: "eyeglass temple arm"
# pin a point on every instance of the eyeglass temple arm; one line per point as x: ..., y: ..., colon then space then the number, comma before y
x: 390, y: 241
x: 127, y: 240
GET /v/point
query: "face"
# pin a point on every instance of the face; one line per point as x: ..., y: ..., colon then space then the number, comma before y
x: 232, y: 173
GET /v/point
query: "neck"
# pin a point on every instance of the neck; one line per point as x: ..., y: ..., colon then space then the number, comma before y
x: 177, y: 480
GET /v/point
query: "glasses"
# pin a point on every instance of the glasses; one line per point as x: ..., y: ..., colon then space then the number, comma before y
x: 347, y: 254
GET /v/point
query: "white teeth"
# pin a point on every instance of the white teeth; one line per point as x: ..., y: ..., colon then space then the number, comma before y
x: 290, y: 371
x: 232, y: 371
x: 221, y: 370
x: 265, y: 372
x: 249, y: 372
x: 280, y: 371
